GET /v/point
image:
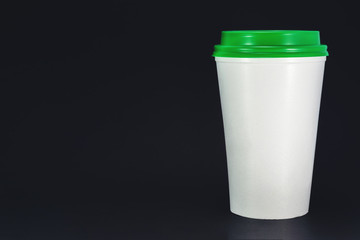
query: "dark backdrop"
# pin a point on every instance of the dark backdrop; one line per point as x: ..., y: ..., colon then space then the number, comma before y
x: 112, y: 124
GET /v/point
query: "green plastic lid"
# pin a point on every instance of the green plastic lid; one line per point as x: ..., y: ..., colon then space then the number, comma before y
x: 270, y: 44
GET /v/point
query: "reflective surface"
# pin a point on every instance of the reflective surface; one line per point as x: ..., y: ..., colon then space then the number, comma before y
x: 166, y: 214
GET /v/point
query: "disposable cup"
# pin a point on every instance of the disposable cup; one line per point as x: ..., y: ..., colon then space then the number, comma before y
x: 270, y: 87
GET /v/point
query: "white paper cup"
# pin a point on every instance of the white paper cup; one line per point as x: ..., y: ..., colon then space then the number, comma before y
x: 270, y: 111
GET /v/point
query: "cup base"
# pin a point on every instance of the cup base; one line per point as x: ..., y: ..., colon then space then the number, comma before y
x: 267, y: 217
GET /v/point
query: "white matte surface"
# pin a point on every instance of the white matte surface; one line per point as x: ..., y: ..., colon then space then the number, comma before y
x: 270, y: 109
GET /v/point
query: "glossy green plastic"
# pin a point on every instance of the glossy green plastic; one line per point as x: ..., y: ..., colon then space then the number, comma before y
x: 270, y: 44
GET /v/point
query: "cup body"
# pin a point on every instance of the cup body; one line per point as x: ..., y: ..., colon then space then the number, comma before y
x: 270, y: 111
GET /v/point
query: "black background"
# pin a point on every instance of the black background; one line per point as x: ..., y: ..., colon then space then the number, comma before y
x: 112, y: 124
